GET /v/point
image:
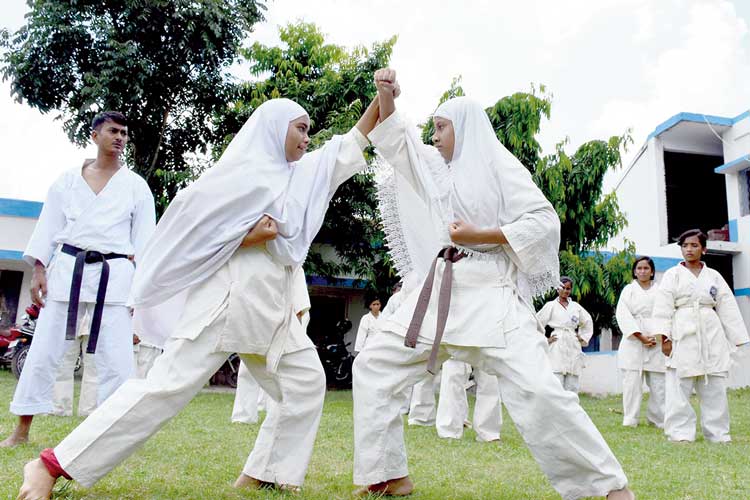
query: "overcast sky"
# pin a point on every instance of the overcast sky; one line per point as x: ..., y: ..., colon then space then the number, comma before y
x: 610, y: 64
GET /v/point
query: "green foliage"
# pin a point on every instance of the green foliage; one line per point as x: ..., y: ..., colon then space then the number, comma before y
x: 517, y: 119
x: 334, y: 85
x: 162, y: 63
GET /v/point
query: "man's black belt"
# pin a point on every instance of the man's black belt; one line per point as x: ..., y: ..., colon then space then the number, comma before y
x: 87, y: 257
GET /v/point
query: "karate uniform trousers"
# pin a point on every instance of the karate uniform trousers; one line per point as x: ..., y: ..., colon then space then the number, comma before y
x: 113, y: 358
x: 246, y: 398
x: 145, y: 355
x: 422, y: 408
x: 65, y: 384
x: 572, y: 454
x: 192, y: 355
x: 453, y: 406
x: 632, y: 396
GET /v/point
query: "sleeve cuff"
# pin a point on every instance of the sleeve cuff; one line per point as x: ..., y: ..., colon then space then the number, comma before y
x: 386, y: 127
x: 360, y: 139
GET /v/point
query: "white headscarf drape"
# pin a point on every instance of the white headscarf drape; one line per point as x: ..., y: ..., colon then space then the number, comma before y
x: 484, y: 185
x: 207, y: 221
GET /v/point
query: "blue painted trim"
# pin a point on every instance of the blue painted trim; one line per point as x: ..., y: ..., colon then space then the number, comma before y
x: 664, y: 263
x: 661, y: 263
x: 730, y: 166
x: 20, y: 208
x: 691, y: 117
x: 733, y: 231
x: 741, y: 116
x: 742, y: 292
x: 11, y: 255
x: 337, y: 282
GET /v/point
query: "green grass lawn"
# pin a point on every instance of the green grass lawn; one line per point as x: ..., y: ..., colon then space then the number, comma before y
x: 199, y: 454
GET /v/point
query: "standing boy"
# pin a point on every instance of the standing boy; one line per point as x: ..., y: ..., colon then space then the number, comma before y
x: 94, y: 220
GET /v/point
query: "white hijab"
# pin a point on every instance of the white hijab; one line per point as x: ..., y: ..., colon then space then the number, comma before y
x: 207, y: 221
x: 486, y: 186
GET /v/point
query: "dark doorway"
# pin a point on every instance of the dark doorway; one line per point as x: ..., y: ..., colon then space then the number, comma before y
x: 10, y: 292
x: 325, y: 312
x: 722, y: 263
x: 696, y: 195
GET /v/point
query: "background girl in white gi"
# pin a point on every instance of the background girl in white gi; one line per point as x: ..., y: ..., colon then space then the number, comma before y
x: 486, y: 204
x: 225, y: 249
x: 572, y: 327
x: 453, y: 405
x: 639, y: 357
x: 696, y: 312
x: 367, y: 325
x: 102, y: 209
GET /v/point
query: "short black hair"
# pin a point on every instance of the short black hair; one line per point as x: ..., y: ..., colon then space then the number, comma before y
x: 693, y: 232
x: 108, y: 116
x: 650, y: 264
x: 566, y: 279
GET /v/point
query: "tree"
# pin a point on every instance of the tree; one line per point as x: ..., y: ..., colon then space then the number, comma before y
x: 162, y: 63
x: 334, y: 85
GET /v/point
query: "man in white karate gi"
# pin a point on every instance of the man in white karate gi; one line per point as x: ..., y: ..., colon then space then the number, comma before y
x: 95, y: 221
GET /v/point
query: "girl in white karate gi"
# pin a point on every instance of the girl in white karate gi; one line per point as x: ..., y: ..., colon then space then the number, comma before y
x: 223, y: 256
x: 696, y: 313
x: 639, y: 356
x: 572, y: 327
x: 469, y: 192
x: 367, y: 324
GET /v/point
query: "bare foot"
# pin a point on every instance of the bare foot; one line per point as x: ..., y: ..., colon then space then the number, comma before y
x: 250, y: 483
x: 622, y: 494
x: 290, y: 488
x: 14, y: 440
x: 37, y: 482
x: 399, y: 487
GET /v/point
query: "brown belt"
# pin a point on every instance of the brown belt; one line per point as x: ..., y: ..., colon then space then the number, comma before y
x: 449, y: 255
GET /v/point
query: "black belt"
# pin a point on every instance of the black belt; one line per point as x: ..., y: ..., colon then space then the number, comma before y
x: 87, y: 257
x: 450, y: 255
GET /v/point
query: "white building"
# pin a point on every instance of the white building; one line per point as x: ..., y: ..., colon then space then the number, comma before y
x: 693, y: 172
x: 17, y: 220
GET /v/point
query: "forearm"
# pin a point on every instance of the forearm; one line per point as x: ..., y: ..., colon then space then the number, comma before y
x: 387, y: 104
x: 494, y: 235
x: 369, y: 118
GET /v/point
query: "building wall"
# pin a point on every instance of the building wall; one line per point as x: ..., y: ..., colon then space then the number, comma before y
x: 639, y: 193
x: 17, y: 221
x: 15, y: 233
x: 736, y: 143
x: 601, y: 376
x: 642, y: 198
